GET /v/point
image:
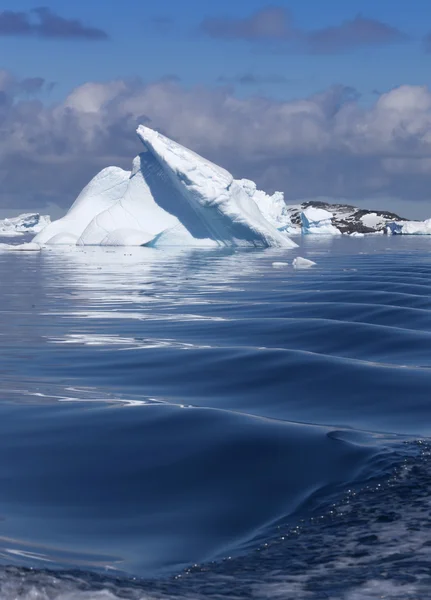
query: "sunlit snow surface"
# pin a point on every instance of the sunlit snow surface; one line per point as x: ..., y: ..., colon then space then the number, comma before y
x: 161, y: 409
x: 172, y: 197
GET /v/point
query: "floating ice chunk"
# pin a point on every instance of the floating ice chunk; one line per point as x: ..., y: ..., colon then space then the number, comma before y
x: 29, y: 247
x: 25, y: 223
x: 280, y: 265
x: 12, y: 233
x: 357, y: 234
x: 318, y: 221
x: 302, y: 263
x: 409, y: 228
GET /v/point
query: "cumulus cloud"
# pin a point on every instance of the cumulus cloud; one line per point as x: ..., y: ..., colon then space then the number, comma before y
x: 43, y: 22
x: 275, y: 25
x: 327, y: 145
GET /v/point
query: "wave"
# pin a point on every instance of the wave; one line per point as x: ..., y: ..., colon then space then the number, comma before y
x: 164, y: 409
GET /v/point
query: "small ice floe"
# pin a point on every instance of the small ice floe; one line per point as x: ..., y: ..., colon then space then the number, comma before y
x: 10, y: 233
x: 30, y: 247
x: 302, y: 263
x: 357, y: 234
x: 280, y: 265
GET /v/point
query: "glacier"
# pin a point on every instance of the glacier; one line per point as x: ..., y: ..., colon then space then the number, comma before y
x: 318, y: 221
x: 171, y: 197
x: 25, y: 223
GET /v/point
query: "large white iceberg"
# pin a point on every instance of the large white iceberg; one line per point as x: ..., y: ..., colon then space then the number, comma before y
x: 409, y: 227
x: 172, y: 196
x: 318, y: 221
x: 26, y: 223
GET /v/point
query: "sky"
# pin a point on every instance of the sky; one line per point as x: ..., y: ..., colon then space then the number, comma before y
x: 318, y: 99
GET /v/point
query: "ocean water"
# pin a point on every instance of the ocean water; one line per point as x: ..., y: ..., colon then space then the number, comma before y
x: 200, y: 424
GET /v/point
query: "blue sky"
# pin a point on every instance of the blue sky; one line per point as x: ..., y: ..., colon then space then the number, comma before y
x: 139, y: 48
x: 318, y: 99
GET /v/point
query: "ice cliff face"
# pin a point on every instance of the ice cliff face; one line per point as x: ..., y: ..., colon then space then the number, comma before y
x: 26, y: 223
x: 273, y: 208
x: 409, y: 227
x: 172, y: 196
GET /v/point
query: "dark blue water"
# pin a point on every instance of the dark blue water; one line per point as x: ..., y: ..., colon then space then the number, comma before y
x: 198, y: 424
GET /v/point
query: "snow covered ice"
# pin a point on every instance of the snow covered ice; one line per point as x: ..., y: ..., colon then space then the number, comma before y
x: 318, y: 221
x: 172, y: 196
x: 410, y: 227
x: 26, y: 223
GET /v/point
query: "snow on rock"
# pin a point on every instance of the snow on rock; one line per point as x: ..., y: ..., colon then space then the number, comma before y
x: 373, y: 221
x: 318, y: 221
x: 26, y: 223
x: 302, y: 263
x: 171, y: 197
x: 409, y: 228
x: 346, y: 218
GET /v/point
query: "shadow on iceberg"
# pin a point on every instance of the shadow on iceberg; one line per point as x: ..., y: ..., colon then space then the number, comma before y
x: 172, y: 197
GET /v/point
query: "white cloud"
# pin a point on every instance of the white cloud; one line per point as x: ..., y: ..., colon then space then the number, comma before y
x: 325, y: 145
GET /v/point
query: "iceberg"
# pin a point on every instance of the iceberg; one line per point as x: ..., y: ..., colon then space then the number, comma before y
x: 409, y: 228
x: 26, y: 223
x: 302, y: 263
x: 318, y: 221
x: 172, y: 196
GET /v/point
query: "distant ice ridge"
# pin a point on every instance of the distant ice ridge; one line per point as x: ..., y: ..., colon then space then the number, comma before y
x: 318, y: 221
x: 26, y: 223
x: 171, y: 197
x: 409, y: 227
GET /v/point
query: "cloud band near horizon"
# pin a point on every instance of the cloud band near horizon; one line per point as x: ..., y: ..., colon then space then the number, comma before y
x: 323, y: 145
